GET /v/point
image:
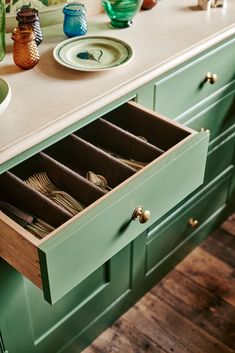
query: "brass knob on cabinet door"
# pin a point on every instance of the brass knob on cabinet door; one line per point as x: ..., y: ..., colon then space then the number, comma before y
x: 212, y: 78
x: 142, y: 215
x: 206, y: 130
x: 193, y: 222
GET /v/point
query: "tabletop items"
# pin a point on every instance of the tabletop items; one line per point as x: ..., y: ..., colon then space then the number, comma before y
x: 75, y: 23
x: 148, y: 4
x: 207, y: 4
x: 27, y: 36
x: 122, y: 12
x: 25, y: 50
x: 29, y: 17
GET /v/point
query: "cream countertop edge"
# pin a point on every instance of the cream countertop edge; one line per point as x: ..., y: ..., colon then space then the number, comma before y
x: 65, y: 120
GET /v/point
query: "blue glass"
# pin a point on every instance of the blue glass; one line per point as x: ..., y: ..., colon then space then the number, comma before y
x: 75, y: 23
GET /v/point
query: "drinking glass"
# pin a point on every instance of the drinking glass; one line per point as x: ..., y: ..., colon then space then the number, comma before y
x: 121, y: 12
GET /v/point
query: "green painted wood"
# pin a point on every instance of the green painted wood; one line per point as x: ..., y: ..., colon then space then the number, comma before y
x: 75, y: 320
x: 70, y: 256
x: 220, y: 157
x: 218, y: 117
x: 146, y: 95
x: 49, y: 327
x: 77, y: 313
x: 161, y: 243
x: 183, y: 89
x: 14, y: 322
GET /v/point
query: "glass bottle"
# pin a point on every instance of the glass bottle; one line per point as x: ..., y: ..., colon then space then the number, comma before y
x: 25, y: 50
x: 2, y: 29
x: 29, y: 17
x: 75, y: 23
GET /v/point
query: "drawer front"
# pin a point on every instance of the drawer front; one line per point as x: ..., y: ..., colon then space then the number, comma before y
x: 220, y: 157
x: 179, y: 92
x: 162, y: 241
x: 86, y: 241
x: 217, y: 118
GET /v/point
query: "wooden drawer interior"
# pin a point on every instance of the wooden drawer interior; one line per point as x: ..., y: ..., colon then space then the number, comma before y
x: 116, y: 146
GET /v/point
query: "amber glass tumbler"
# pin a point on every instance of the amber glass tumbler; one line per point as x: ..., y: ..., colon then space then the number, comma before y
x: 25, y: 50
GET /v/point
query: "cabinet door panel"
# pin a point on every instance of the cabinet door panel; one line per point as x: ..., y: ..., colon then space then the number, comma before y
x: 187, y: 87
x: 57, y: 325
x: 161, y: 243
x: 218, y: 117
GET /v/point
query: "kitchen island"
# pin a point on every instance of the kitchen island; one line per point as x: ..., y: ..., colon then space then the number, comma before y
x: 97, y: 264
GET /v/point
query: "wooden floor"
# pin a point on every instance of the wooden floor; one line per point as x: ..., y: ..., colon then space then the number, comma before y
x: 191, y: 311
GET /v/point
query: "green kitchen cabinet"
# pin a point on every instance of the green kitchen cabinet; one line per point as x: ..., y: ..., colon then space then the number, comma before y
x: 189, y: 86
x: 23, y: 306
x: 65, y: 289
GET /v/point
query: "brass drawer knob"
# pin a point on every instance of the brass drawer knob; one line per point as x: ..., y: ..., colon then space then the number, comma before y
x: 211, y: 78
x: 206, y: 130
x: 193, y: 222
x: 142, y: 215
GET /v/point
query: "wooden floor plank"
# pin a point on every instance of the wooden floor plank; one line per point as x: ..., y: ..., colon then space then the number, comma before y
x: 211, y: 273
x: 206, y: 310
x: 171, y: 330
x: 229, y: 225
x: 222, y: 246
x: 122, y: 337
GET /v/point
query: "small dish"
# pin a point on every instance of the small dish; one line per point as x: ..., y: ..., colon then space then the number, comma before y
x: 93, y: 53
x: 5, y: 95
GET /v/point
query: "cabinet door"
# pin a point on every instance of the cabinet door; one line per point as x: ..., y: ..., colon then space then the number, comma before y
x: 15, y: 326
x: 31, y: 325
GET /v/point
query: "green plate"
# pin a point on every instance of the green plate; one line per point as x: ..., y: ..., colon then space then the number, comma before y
x: 5, y: 95
x: 93, y: 53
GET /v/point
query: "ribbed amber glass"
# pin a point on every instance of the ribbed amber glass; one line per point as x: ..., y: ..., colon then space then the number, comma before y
x: 25, y: 50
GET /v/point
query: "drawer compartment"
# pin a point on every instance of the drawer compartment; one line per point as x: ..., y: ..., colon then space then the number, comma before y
x: 165, y: 238
x: 174, y: 159
x: 188, y: 85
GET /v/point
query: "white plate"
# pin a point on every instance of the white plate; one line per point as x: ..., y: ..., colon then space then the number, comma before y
x: 5, y: 95
x: 93, y: 53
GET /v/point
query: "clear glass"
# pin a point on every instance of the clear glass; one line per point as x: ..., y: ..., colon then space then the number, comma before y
x: 121, y: 12
x: 75, y: 23
x: 2, y: 30
x: 25, y: 50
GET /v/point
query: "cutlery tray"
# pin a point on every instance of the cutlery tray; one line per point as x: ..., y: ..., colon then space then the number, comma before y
x: 171, y: 164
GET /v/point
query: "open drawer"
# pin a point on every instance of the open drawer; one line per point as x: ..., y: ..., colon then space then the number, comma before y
x: 145, y: 160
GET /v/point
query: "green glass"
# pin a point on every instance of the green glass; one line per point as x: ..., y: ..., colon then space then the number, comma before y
x: 2, y: 29
x: 121, y: 12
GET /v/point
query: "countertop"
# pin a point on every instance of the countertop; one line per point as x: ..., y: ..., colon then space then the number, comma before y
x: 50, y: 97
